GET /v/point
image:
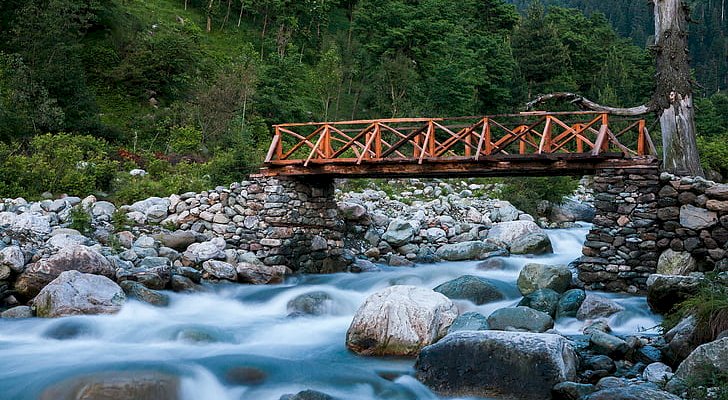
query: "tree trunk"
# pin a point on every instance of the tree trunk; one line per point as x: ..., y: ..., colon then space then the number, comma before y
x: 673, y: 97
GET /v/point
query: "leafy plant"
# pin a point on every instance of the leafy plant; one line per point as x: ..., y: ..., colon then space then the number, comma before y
x: 526, y: 192
x: 81, y: 220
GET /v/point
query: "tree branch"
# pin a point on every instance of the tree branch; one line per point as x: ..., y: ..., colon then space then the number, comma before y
x: 586, y: 104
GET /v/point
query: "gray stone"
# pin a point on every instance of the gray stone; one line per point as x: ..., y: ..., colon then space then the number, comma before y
x: 609, y: 345
x: 103, y: 208
x: 178, y: 240
x: 664, y: 291
x: 642, y: 392
x: 469, y: 287
x: 521, y: 319
x: 31, y: 223
x: 13, y: 257
x: 80, y: 258
x: 472, y: 250
x: 544, y: 300
x: 307, y: 395
x: 705, y: 362
x: 675, y: 263
x: 470, y: 321
x: 504, y: 212
x: 399, y: 232
x: 540, y: 276
x: 569, y: 303
x: 65, y: 240
x: 572, y: 211
x: 140, y: 292
x: 400, y: 320
x: 434, y: 234
x: 351, y: 211
x: 508, y: 232
x: 697, y: 218
x: 76, y: 293
x: 260, y: 274
x: 492, y: 364
x: 681, y: 339
x: 532, y: 243
x: 117, y: 385
x: 573, y: 390
x: 657, y: 373
x: 596, y: 306
x: 200, y: 252
x: 17, y: 312
x: 219, y: 270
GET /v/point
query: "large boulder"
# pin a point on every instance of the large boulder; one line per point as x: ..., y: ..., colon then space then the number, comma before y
x: 673, y: 262
x: 520, y: 319
x: 682, y: 339
x: 596, y: 306
x: 117, y: 385
x: 399, y: 232
x: 400, y: 320
x: 493, y: 364
x: 469, y: 287
x: 472, y: 250
x: 707, y: 361
x: 664, y: 291
x: 79, y: 258
x: 76, y: 293
x: 532, y: 243
x: 508, y: 232
x: 540, y: 276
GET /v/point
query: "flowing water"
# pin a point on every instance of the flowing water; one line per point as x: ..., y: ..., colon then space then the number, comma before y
x: 214, y: 340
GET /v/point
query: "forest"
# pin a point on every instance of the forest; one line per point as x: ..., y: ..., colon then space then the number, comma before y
x: 188, y: 89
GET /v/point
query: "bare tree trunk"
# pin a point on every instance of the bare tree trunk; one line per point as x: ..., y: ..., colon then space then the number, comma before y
x: 673, y: 97
x: 240, y: 16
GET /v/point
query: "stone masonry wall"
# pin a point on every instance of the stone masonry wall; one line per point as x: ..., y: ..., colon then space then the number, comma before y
x: 640, y: 214
x: 283, y: 221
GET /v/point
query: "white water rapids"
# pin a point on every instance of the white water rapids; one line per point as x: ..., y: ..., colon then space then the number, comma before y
x: 200, y: 337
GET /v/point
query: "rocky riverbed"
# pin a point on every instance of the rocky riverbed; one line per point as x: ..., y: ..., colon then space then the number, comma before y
x: 154, y: 312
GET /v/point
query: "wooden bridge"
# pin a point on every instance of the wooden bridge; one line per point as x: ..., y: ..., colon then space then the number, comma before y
x: 535, y: 143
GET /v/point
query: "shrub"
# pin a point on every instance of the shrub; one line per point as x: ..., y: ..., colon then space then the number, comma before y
x: 163, y: 179
x: 81, y: 220
x: 714, y: 152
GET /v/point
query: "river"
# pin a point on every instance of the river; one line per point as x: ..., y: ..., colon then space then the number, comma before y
x: 214, y: 340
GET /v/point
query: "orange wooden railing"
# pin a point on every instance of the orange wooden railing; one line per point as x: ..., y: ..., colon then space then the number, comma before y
x: 421, y: 139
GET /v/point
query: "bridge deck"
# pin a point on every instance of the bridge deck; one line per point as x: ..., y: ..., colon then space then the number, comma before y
x: 504, y: 145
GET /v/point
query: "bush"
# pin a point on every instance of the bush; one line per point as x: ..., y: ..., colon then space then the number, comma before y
x: 163, y: 179
x: 526, y: 192
x: 714, y: 153
x: 60, y: 163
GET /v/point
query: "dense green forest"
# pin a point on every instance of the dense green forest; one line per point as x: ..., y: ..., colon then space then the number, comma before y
x: 187, y: 89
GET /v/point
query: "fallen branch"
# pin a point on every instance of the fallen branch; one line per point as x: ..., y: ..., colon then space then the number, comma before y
x: 588, y: 105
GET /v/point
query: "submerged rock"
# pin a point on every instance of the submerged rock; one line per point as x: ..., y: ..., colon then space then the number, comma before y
x: 307, y: 395
x: 117, y: 385
x: 400, y: 320
x: 544, y: 300
x: 75, y: 293
x: 504, y: 365
x: 312, y: 303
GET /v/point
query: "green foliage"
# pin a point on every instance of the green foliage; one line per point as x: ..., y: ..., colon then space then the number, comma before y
x: 525, y: 192
x: 119, y: 221
x: 163, y: 179
x: 61, y: 163
x: 80, y: 220
x: 714, y: 153
x: 709, y: 307
x: 185, y: 139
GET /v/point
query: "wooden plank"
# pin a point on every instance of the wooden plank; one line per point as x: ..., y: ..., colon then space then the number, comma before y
x: 273, y: 148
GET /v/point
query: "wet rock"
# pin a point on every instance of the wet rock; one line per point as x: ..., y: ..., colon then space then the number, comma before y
x: 17, y: 312
x: 307, y: 395
x: 675, y: 263
x: 360, y: 265
x: 544, y: 300
x: 571, y: 211
x: 69, y: 328
x: 400, y: 320
x: 664, y: 291
x: 312, y: 303
x: 540, y: 276
x: 520, y: 319
x: 600, y: 362
x: 181, y: 283
x: 469, y: 287
x: 511, y: 365
x: 395, y: 260
x: 470, y: 250
x: 75, y: 293
x: 140, y: 292
x: 532, y: 243
x: 569, y: 303
x: 79, y: 258
x: 399, y: 232
x: 596, y: 306
x: 117, y: 385
x: 247, y: 376
x: 470, y: 321
x: 641, y: 392
x: 609, y: 345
